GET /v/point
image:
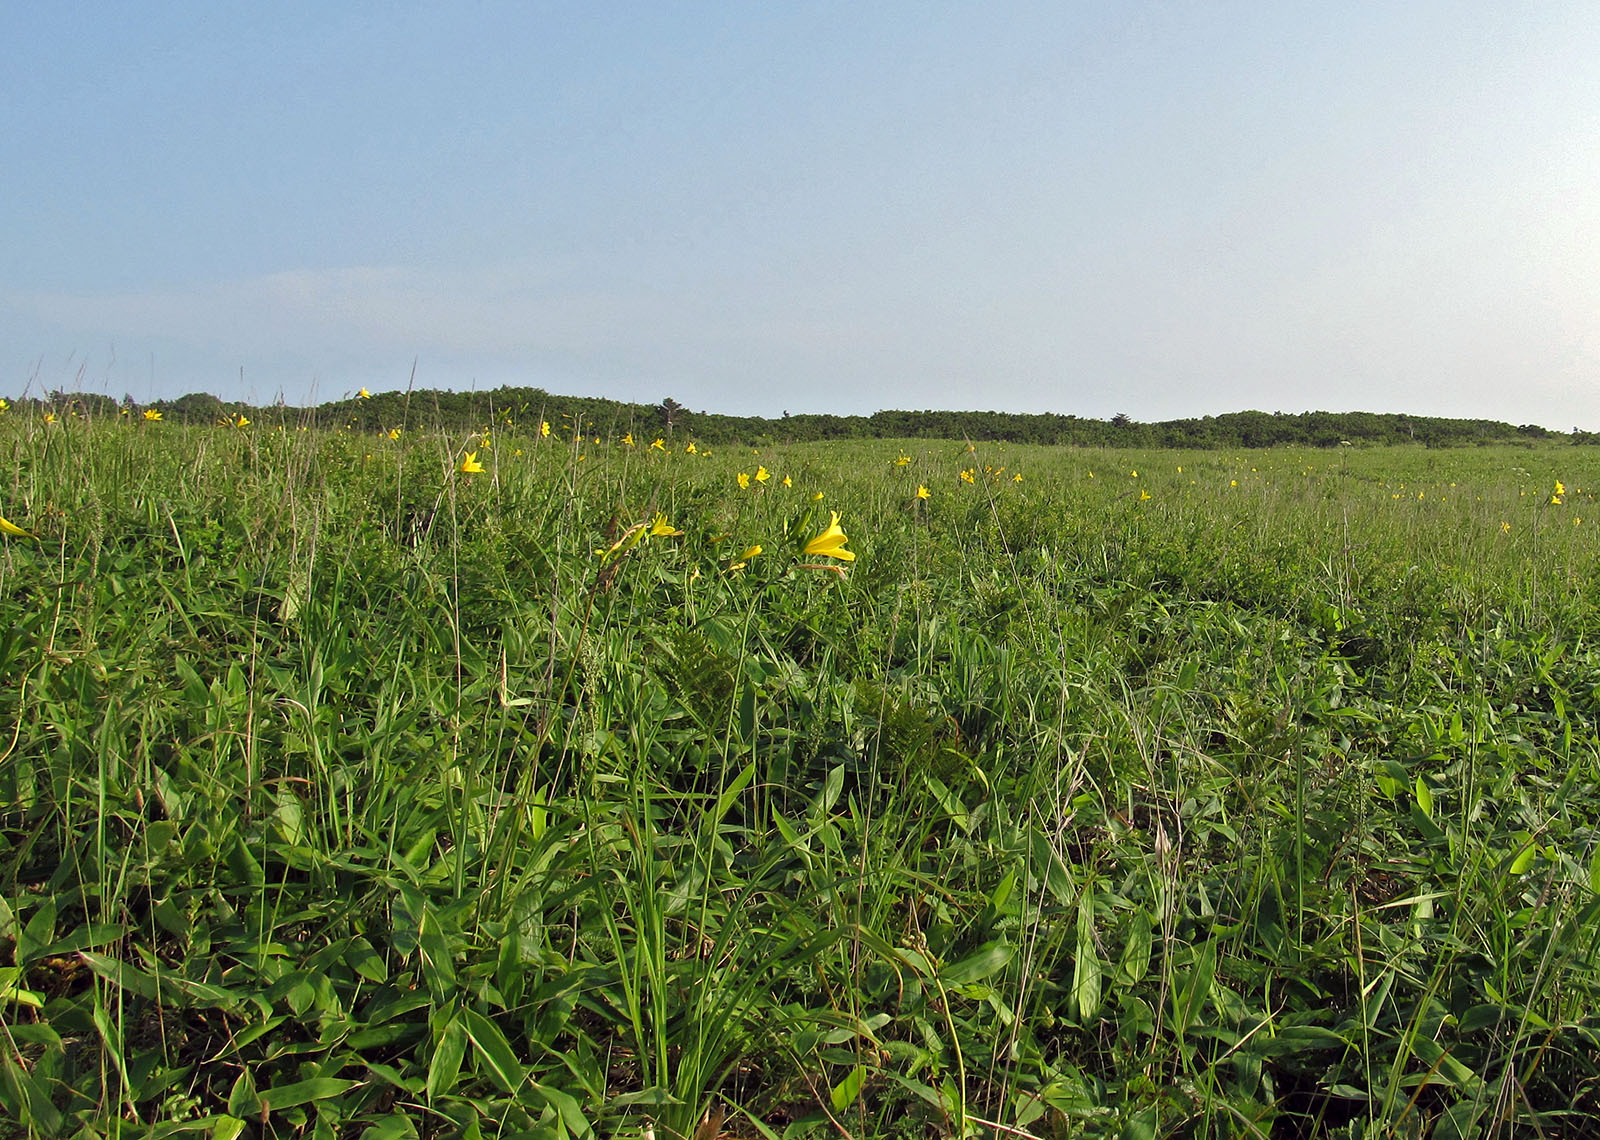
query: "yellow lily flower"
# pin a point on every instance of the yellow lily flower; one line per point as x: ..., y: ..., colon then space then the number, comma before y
x: 922, y: 492
x: 11, y: 528
x: 240, y: 421
x: 151, y: 414
x: 470, y: 465
x: 628, y: 439
x: 394, y: 433
x: 902, y: 461
x: 744, y: 481
x: 691, y: 449
x: 544, y: 428
x: 762, y: 474
x: 363, y: 395
x: 788, y: 482
x: 661, y: 528
x: 659, y: 445
x: 50, y: 418
x: 830, y: 543
x: 969, y: 476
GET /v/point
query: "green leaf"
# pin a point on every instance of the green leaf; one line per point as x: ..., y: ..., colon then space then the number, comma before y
x: 1424, y: 797
x: 730, y: 794
x: 844, y: 1094
x: 304, y: 1092
x: 1086, y: 962
x: 1135, y: 961
x: 988, y: 958
x: 448, y: 1050
x: 494, y: 1050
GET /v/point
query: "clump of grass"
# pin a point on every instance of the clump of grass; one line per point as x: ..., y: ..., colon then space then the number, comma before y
x: 349, y: 792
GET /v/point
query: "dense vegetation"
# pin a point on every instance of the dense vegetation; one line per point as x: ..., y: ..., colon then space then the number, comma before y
x: 437, y: 785
x: 525, y: 407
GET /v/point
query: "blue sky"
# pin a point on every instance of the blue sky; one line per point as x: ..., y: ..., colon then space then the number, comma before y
x: 1163, y: 209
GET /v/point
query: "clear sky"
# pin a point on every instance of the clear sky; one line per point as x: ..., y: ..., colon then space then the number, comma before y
x: 1163, y: 209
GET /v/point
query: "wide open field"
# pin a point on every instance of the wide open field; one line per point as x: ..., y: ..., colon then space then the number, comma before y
x: 1213, y: 794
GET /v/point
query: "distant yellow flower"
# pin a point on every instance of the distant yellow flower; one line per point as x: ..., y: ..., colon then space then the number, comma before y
x: 363, y: 394
x: 762, y: 474
x: 5, y: 405
x: 1555, y: 500
x: 394, y: 433
x: 922, y: 492
x: 151, y: 414
x: 470, y: 465
x: 691, y: 449
x: 744, y: 558
x: 1133, y: 474
x: 1505, y: 528
x: 659, y: 445
x: 240, y: 421
x: 50, y: 418
x: 1017, y: 478
x: 816, y: 496
x: 968, y: 476
x: 830, y: 543
x: 1144, y: 496
x: 661, y: 528
x: 788, y: 482
x: 1233, y: 482
x: 11, y: 528
x: 544, y: 428
x: 628, y: 439
x: 902, y: 461
x: 744, y: 481
x: 1561, y: 488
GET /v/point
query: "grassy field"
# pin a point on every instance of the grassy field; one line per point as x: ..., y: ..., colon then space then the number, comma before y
x: 346, y: 792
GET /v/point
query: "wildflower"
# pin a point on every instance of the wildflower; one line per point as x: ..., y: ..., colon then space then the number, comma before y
x: 1505, y: 528
x: 5, y: 405
x: 470, y: 465
x: 544, y: 428
x: 630, y: 538
x: 1144, y: 496
x: 240, y: 421
x: 1555, y: 500
x: 50, y: 418
x: 1233, y: 482
x: 922, y: 492
x: 691, y: 449
x: 11, y: 528
x: 659, y: 445
x: 1017, y: 478
x: 788, y: 482
x: 968, y: 476
x: 661, y: 528
x: 1561, y: 488
x: 830, y: 543
x: 363, y: 394
x: 1133, y: 474
x: 627, y: 439
x: 902, y: 461
x: 394, y: 433
x: 816, y: 496
x: 762, y: 475
x: 744, y: 558
x: 744, y: 481
x: 151, y: 414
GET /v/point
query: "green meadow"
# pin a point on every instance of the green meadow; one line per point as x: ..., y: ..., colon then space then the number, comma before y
x: 345, y: 791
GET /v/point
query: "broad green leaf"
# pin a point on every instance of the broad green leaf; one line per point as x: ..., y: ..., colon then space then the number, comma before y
x: 1135, y: 962
x: 1086, y: 962
x: 448, y: 1050
x: 304, y: 1092
x: 1424, y: 797
x: 493, y: 1050
x: 844, y: 1094
x: 980, y: 963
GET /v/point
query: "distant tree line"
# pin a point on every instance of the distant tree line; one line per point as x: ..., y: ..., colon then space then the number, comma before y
x: 530, y: 408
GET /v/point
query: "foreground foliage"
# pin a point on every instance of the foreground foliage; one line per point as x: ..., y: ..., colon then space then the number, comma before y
x: 350, y: 788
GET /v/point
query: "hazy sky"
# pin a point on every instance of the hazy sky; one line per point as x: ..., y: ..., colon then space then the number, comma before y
x: 1163, y: 209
